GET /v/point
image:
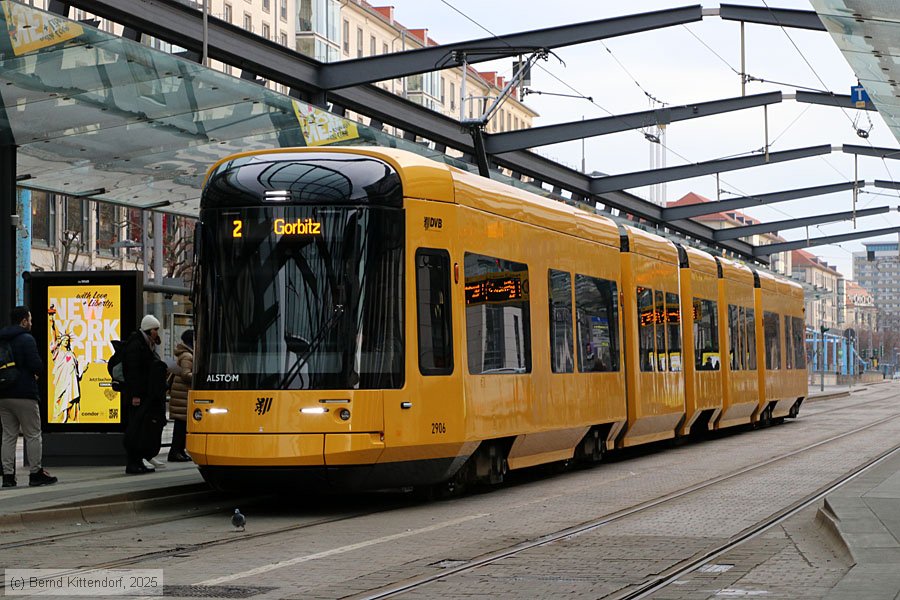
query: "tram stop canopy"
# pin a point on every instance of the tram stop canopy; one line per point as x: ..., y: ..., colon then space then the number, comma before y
x: 100, y: 116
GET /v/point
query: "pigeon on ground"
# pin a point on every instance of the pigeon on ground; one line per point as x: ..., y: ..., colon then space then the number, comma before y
x: 238, y: 520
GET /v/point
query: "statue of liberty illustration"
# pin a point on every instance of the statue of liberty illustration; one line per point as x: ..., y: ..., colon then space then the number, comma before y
x: 67, y: 374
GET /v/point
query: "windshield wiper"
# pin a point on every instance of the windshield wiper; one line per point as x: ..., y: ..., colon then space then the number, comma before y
x: 304, y: 348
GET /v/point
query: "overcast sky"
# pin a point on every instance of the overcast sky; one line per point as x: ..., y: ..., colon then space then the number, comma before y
x: 674, y: 66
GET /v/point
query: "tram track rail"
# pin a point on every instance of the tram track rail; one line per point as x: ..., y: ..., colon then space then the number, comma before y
x: 492, y: 557
x: 679, y: 570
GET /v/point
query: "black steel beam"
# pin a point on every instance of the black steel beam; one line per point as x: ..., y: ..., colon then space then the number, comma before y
x: 642, y: 178
x: 497, y: 143
x: 762, y: 251
x: 555, y: 174
x: 734, y: 233
x: 389, y: 66
x: 831, y: 100
x: 888, y: 185
x: 782, y: 17
x: 179, y: 24
x: 893, y: 153
x: 709, y: 208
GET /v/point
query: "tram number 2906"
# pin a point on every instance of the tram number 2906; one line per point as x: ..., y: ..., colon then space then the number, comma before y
x: 438, y: 428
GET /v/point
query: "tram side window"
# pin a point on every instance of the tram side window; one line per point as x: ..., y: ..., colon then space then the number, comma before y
x: 798, y: 332
x: 561, y: 356
x: 788, y: 344
x: 706, y: 335
x: 660, y: 318
x: 597, y: 316
x: 673, y: 327
x: 772, y: 339
x: 434, y: 313
x: 498, y: 317
x: 750, y: 324
x: 735, y: 338
x: 646, y: 329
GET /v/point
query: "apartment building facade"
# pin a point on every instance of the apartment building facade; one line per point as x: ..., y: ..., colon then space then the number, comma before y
x: 780, y: 263
x: 877, y: 269
x: 827, y: 304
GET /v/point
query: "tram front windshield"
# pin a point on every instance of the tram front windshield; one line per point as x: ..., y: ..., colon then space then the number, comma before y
x: 300, y: 297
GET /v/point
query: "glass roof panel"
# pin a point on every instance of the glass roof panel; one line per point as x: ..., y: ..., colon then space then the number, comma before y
x: 99, y: 116
x: 868, y: 35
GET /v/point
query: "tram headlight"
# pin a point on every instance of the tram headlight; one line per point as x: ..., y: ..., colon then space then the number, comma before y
x: 198, y: 414
x: 344, y: 414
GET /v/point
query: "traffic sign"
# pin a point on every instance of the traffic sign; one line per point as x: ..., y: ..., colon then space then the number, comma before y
x: 859, y: 96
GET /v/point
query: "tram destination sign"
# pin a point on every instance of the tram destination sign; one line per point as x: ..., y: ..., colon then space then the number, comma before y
x: 497, y: 288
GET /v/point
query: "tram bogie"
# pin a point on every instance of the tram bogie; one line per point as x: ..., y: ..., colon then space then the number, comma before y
x: 427, y: 327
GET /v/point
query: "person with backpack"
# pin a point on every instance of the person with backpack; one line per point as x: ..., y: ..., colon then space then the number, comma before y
x: 20, y: 367
x: 144, y: 396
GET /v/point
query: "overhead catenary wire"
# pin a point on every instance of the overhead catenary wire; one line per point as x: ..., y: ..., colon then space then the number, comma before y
x: 580, y: 94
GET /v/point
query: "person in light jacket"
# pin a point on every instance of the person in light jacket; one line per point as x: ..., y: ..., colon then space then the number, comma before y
x: 178, y: 395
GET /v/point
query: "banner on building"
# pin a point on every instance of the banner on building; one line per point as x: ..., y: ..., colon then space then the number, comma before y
x: 76, y: 316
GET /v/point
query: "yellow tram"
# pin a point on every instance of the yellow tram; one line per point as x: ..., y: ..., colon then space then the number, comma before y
x: 370, y: 318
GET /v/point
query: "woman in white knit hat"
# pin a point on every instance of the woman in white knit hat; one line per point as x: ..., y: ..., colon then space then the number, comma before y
x: 143, y: 395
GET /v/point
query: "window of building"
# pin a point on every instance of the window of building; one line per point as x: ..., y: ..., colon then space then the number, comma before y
x: 646, y: 329
x: 434, y: 314
x: 266, y: 32
x: 346, y: 36
x: 107, y: 229
x: 226, y: 13
x: 248, y: 22
x: 561, y: 357
x: 359, y: 42
x: 266, y: 5
x: 498, y: 317
x: 283, y: 38
x: 135, y: 225
x: 596, y: 309
x: 384, y: 48
x: 443, y: 87
x: 43, y: 218
x: 452, y: 95
x: 373, y: 45
x: 284, y: 9
x: 77, y: 222
x: 772, y: 339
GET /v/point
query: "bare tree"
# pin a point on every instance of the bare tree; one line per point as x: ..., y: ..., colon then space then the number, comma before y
x: 70, y: 250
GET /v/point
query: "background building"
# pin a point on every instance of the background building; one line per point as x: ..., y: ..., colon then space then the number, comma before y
x: 878, y: 270
x: 780, y: 263
x: 826, y: 305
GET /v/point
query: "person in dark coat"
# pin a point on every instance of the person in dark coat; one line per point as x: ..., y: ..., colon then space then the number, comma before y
x: 19, y: 402
x: 143, y: 393
x: 178, y: 396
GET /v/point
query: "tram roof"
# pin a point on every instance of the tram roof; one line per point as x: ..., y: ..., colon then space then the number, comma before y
x: 701, y: 261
